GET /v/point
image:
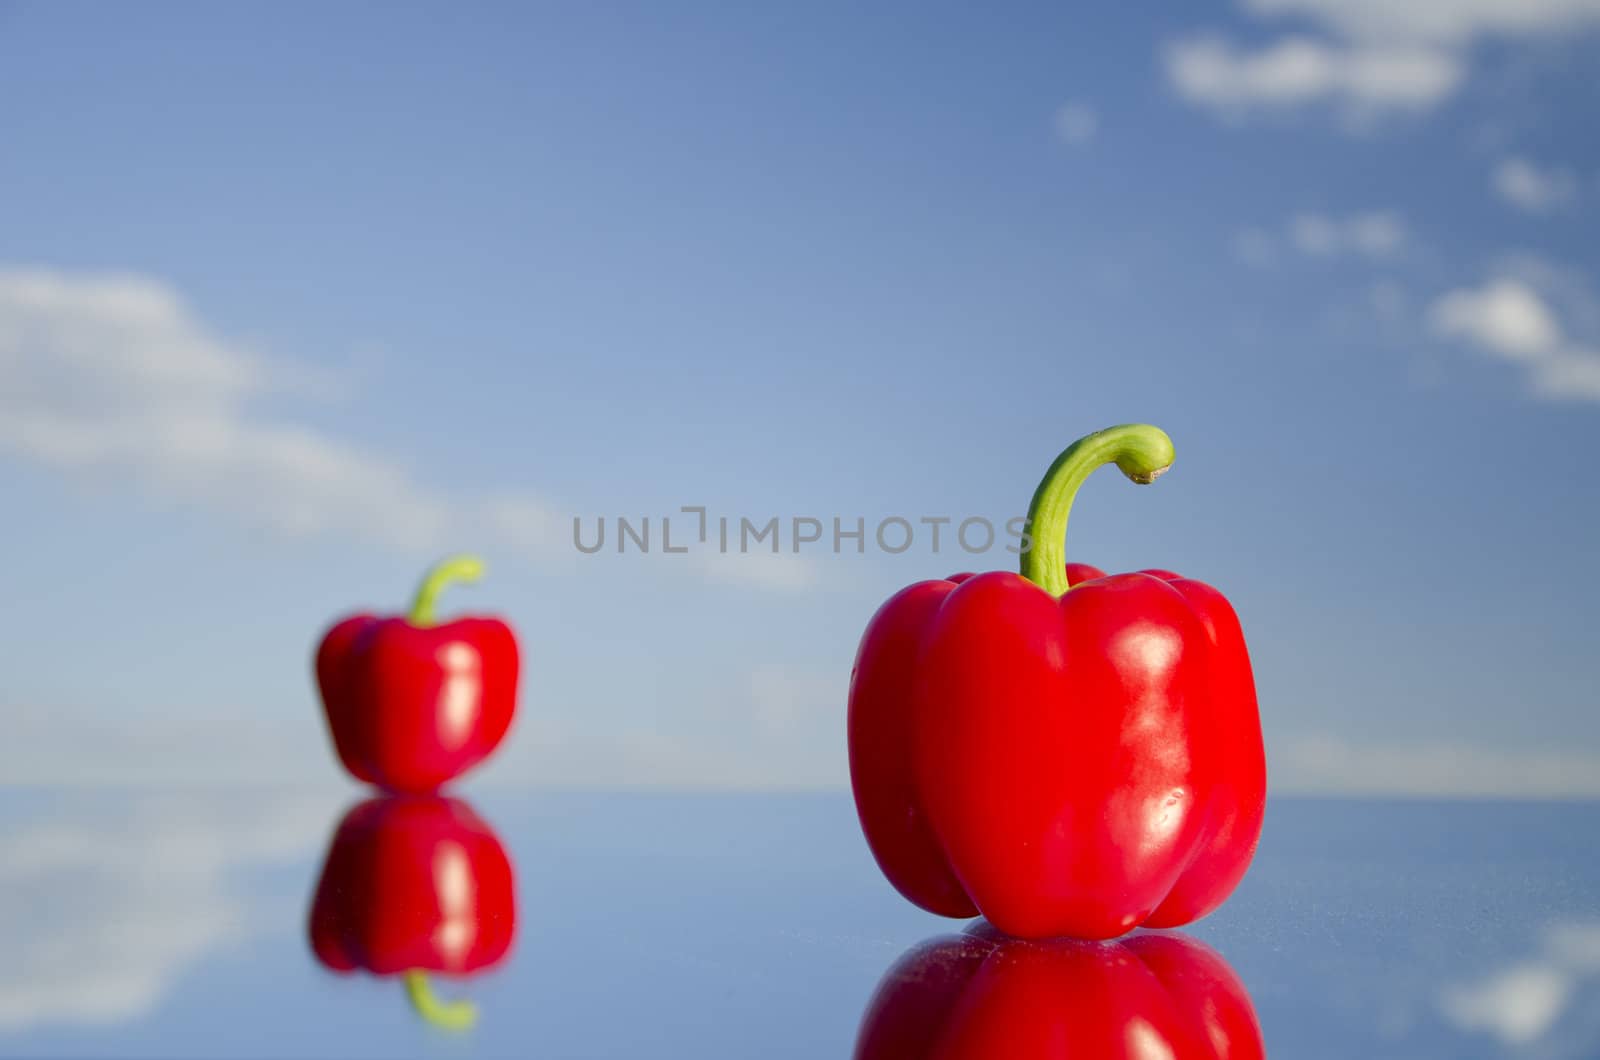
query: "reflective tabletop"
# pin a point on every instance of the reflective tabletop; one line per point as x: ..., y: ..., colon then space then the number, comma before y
x: 285, y: 923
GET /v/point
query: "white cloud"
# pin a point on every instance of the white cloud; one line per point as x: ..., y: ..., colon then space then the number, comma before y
x: 1518, y: 1005
x: 1076, y: 123
x: 1329, y: 765
x: 1525, y: 1003
x: 1439, y: 21
x: 1296, y: 71
x: 1373, y: 234
x: 1528, y: 187
x: 1509, y: 319
x: 1369, y: 55
x: 114, y: 374
x: 1505, y: 317
x: 107, y: 903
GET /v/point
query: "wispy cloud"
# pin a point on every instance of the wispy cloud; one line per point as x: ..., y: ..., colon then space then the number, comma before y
x: 67, y: 745
x: 1376, y: 235
x: 1535, y: 189
x: 115, y: 376
x: 1077, y: 123
x: 1367, y: 56
x: 108, y: 904
x: 767, y: 570
x: 1330, y: 765
x: 1509, y: 318
x: 1212, y: 72
x: 1255, y: 246
x: 1438, y: 21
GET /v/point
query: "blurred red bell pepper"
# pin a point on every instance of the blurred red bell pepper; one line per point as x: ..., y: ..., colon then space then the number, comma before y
x: 412, y: 885
x: 1064, y: 762
x: 412, y: 705
x: 981, y: 995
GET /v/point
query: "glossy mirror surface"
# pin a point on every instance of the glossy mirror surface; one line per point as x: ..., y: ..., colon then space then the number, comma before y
x: 181, y: 924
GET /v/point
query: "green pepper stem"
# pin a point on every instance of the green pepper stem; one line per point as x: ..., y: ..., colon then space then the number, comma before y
x: 449, y: 1015
x: 446, y: 571
x: 1141, y: 451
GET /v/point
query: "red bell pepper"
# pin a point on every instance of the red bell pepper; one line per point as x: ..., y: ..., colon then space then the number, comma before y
x: 1066, y: 759
x: 411, y: 704
x: 412, y: 885
x: 981, y: 995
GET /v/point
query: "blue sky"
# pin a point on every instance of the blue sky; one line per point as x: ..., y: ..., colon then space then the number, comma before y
x: 291, y: 305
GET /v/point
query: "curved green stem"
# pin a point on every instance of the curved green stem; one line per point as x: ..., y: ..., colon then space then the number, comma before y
x: 450, y: 1015
x: 1141, y: 451
x: 446, y: 571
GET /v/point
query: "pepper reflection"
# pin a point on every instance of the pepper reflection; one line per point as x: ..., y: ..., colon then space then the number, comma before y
x: 981, y: 994
x: 413, y: 885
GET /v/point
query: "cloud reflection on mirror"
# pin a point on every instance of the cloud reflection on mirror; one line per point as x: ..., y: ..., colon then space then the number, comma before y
x: 108, y: 903
x: 1150, y: 995
x: 1537, y: 1003
x: 415, y: 886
